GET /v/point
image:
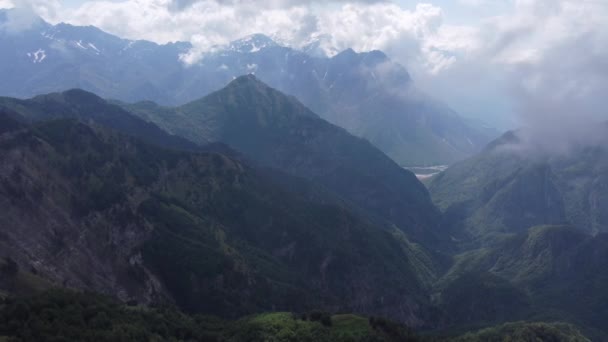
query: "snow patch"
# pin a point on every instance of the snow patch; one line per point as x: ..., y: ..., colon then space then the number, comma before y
x: 94, y: 48
x: 38, y: 56
x: 255, y: 48
x: 48, y: 35
x: 249, y: 44
x: 79, y: 44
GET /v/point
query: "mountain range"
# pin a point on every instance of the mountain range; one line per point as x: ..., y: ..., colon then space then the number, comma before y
x: 366, y: 93
x: 259, y: 198
x: 98, y: 197
x: 166, y: 221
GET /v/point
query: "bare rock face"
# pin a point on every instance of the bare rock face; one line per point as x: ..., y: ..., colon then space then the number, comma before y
x: 44, y: 229
x: 87, y: 208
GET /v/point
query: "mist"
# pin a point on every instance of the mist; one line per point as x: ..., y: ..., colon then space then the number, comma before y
x: 560, y: 98
x: 21, y: 18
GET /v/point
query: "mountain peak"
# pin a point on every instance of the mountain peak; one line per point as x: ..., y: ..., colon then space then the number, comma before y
x: 250, y: 82
x: 247, y: 100
x: 252, y: 43
x: 246, y: 78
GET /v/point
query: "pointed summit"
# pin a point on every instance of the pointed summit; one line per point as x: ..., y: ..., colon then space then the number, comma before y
x: 276, y: 130
x: 246, y: 79
x: 250, y: 83
x: 248, y: 101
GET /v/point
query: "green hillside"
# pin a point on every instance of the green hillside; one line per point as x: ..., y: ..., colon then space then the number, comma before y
x: 277, y: 131
x: 202, y: 230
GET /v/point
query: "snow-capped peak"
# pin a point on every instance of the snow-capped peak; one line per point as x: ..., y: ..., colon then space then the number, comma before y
x: 251, y: 43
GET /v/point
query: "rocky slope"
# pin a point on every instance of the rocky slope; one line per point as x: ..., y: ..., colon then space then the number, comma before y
x: 88, y: 208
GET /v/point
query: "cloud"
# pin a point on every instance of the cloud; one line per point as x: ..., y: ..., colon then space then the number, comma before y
x: 414, y: 35
x: 516, y: 61
x: 484, y: 68
x: 473, y: 3
x: 6, y: 4
x: 561, y: 97
x: 184, y: 4
x: 24, y: 14
x: 417, y: 35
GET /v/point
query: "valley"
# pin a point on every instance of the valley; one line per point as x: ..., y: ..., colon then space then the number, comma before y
x: 426, y: 172
x: 188, y: 204
x: 261, y: 190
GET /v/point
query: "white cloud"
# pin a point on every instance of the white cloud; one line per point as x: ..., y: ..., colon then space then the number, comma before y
x: 458, y: 62
x: 473, y: 3
x: 6, y: 4
x: 417, y: 35
x: 25, y: 13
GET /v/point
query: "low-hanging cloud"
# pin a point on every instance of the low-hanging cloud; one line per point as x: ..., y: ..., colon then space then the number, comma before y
x: 557, y: 74
x: 25, y: 14
x: 561, y: 98
x: 22, y: 17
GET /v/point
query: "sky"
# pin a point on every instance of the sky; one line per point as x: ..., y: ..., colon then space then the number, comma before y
x: 507, y: 62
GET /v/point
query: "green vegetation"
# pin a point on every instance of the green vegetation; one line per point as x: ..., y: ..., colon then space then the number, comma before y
x: 526, y: 332
x: 221, y: 236
x: 277, y: 131
x: 87, y: 207
x: 17, y: 281
x: 504, y: 191
x: 550, y: 273
x: 71, y: 316
x: 62, y: 315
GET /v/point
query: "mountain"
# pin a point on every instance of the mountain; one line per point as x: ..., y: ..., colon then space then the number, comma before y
x: 85, y: 207
x: 277, y: 131
x: 366, y: 93
x: 545, y: 273
x: 47, y: 58
x: 88, y: 107
x: 508, y: 188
